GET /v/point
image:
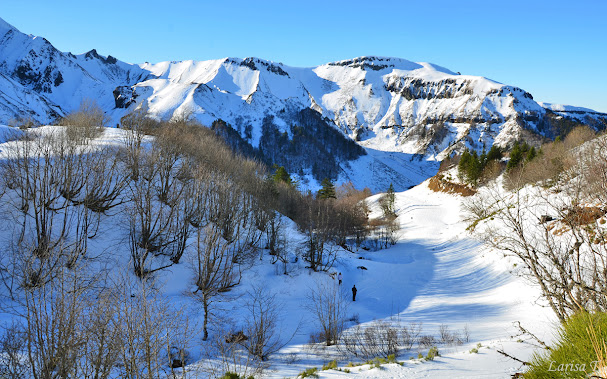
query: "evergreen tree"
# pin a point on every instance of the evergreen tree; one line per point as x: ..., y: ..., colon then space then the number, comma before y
x: 464, y: 163
x: 387, y: 202
x: 494, y: 154
x: 281, y: 175
x: 475, y: 169
x: 516, y: 157
x: 531, y: 154
x: 470, y: 167
x: 327, y: 191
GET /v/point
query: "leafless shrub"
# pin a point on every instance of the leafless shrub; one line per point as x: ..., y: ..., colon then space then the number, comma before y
x: 85, y: 123
x: 226, y: 355
x: 448, y: 337
x: 409, y: 334
x: 379, y: 339
x: 291, y: 358
x: 23, y: 123
x: 565, y: 256
x: 426, y: 341
x: 149, y: 329
x: 263, y: 325
x: 466, y: 334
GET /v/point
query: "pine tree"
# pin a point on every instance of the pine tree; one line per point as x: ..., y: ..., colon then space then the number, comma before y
x: 531, y: 154
x: 516, y: 157
x: 327, y: 191
x: 494, y: 154
x: 281, y: 175
x: 470, y: 166
x: 387, y: 203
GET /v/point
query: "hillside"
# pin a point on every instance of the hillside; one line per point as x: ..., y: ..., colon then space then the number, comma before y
x: 102, y: 255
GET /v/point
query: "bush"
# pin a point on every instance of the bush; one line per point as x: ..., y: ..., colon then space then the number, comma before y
x: 432, y: 353
x: 86, y: 122
x: 330, y: 365
x: 309, y: 373
x: 426, y: 341
x: 410, y: 334
x: 573, y: 355
x: 380, y: 339
x: 232, y: 375
x: 447, y: 337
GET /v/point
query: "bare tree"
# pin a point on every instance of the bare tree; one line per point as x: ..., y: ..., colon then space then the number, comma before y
x: 277, y: 241
x: 263, y: 325
x: 13, y: 364
x: 215, y: 270
x: 320, y: 249
x: 155, y: 227
x: 149, y: 328
x: 328, y: 304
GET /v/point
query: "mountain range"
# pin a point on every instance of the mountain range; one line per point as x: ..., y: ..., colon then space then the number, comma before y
x: 387, y: 105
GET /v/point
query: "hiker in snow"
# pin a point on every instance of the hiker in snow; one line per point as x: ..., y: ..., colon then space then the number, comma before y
x: 340, y: 278
x: 354, y: 293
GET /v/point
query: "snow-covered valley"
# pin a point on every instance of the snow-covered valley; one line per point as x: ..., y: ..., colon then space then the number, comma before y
x: 186, y: 234
x: 436, y: 275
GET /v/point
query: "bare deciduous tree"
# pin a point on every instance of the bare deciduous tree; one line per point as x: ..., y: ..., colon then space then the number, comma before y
x: 215, y: 270
x: 328, y: 304
x: 263, y: 325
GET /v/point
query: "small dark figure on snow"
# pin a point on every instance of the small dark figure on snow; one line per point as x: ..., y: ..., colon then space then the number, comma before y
x: 354, y: 293
x: 340, y: 278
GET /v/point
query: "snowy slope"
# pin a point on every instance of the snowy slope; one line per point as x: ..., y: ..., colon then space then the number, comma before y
x: 435, y: 274
x: 388, y: 103
x: 40, y: 82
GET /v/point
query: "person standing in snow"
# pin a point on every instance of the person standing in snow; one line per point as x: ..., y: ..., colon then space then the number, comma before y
x: 340, y: 278
x: 354, y: 293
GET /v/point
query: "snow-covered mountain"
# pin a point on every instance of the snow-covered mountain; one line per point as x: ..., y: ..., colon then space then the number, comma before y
x: 386, y: 104
x: 42, y: 83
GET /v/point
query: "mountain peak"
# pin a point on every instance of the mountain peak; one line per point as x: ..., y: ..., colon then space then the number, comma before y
x: 378, y: 63
x: 256, y: 64
x: 5, y: 26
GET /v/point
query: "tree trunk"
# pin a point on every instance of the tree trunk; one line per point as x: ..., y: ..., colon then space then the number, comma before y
x: 206, y: 318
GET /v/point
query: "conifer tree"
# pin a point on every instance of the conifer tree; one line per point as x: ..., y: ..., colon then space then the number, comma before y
x: 327, y: 191
x: 387, y: 202
x: 281, y: 175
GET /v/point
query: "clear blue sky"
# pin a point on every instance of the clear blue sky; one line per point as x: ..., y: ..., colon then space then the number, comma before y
x: 556, y: 50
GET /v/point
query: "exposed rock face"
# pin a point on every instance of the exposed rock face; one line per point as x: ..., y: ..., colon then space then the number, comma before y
x: 124, y: 96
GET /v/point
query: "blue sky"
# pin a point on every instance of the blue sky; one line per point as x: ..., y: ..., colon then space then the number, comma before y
x: 556, y: 50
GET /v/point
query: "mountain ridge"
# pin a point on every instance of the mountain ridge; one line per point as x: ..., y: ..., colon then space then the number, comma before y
x: 383, y: 103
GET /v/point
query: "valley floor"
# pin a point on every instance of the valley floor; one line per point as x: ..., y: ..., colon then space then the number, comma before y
x: 436, y: 274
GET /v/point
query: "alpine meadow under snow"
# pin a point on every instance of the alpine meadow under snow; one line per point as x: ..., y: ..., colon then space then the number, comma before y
x: 211, y: 219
